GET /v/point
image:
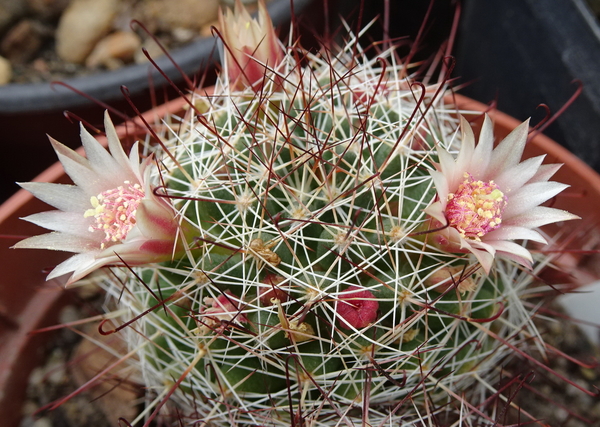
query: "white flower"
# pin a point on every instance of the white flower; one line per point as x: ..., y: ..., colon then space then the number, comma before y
x: 109, y: 217
x: 487, y: 197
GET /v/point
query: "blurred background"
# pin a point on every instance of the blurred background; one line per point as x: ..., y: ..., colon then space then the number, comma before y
x: 516, y: 53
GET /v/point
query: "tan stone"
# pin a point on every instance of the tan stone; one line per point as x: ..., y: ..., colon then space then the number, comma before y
x: 153, y: 49
x: 115, y: 394
x: 167, y: 15
x: 82, y: 24
x: 114, y: 50
x: 5, y: 71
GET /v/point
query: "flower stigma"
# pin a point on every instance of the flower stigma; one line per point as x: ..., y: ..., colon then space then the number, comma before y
x: 475, y: 208
x: 114, y: 211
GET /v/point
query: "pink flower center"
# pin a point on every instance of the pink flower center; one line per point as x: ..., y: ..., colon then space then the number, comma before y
x: 114, y: 211
x: 475, y: 208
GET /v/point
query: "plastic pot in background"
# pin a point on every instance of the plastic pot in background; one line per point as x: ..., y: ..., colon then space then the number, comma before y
x: 422, y: 25
x: 29, y: 112
x: 526, y: 52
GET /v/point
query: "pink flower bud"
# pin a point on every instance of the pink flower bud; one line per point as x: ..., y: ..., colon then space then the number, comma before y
x: 356, y: 307
x: 224, y: 307
x: 251, y: 46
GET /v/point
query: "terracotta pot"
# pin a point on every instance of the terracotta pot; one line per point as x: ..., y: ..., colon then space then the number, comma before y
x: 28, y: 302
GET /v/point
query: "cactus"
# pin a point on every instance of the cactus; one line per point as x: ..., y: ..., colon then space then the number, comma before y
x: 312, y: 290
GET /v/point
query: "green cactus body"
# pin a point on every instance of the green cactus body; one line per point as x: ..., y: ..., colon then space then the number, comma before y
x: 301, y: 196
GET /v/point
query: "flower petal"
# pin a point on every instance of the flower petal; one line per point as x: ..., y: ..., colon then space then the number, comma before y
x: 512, y: 232
x: 79, y: 169
x: 61, y: 196
x: 530, y: 196
x: 538, y: 216
x: 483, y: 152
x: 448, y: 167
x: 57, y: 241
x: 441, y: 185
x: 545, y: 172
x: 155, y: 219
x: 436, y: 211
x: 66, y: 222
x: 509, y: 152
x: 483, y: 252
x: 514, y: 251
x: 103, y: 163
x: 514, y: 178
x: 465, y: 155
x: 79, y: 266
x: 114, y: 144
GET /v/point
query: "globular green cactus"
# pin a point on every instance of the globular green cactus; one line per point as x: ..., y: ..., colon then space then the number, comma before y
x: 344, y: 252
x: 313, y: 291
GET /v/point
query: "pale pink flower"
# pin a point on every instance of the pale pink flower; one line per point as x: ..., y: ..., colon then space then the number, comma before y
x: 109, y: 217
x: 223, y: 308
x: 488, y: 198
x: 251, y: 46
x: 356, y: 307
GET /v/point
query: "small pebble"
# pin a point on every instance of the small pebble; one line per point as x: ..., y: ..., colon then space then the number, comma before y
x: 207, y: 30
x: 561, y: 413
x: 114, y: 50
x: 5, y: 71
x: 166, y: 15
x: 82, y: 25
x: 41, y: 66
x: 22, y: 41
x: 153, y: 49
x: 69, y: 314
x: 42, y: 422
x: 183, y: 35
